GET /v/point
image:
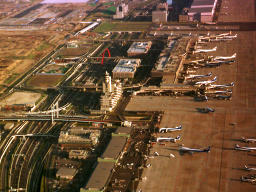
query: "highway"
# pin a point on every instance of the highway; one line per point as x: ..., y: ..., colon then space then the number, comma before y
x: 57, y: 119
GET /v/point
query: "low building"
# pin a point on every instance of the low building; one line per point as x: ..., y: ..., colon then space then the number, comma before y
x: 126, y: 68
x: 123, y: 131
x: 114, y: 149
x: 8, y: 126
x: 78, y: 154
x: 99, y: 178
x: 171, y: 59
x: 66, y: 173
x: 159, y: 16
x: 139, y: 48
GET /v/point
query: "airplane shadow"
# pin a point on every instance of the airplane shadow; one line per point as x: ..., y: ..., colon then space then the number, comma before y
x: 232, y: 179
x: 239, y: 169
x: 174, y: 149
x: 237, y: 140
x: 254, y: 155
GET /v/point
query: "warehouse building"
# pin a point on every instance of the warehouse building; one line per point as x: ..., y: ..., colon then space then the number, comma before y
x: 105, y: 164
x: 202, y: 10
x: 126, y: 68
x: 66, y: 173
x: 139, y: 48
x: 114, y: 149
x: 99, y: 178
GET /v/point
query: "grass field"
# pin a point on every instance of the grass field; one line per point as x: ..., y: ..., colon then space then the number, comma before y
x: 120, y: 26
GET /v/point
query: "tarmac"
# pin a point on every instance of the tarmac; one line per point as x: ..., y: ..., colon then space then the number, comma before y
x: 222, y: 167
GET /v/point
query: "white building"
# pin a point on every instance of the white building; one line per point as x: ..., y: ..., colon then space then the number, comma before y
x: 202, y: 10
x: 112, y: 92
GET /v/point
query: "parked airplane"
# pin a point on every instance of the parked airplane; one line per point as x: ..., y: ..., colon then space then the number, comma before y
x: 166, y: 139
x: 191, y: 150
x: 198, y: 61
x: 205, y: 50
x: 223, y: 97
x: 249, y: 179
x: 249, y: 168
x: 199, y: 76
x: 237, y: 147
x: 205, y: 110
x: 165, y: 130
x: 225, y: 58
x: 219, y: 92
x: 201, y: 98
x: 248, y: 140
x: 224, y: 34
x: 212, y: 86
x: 212, y: 64
x: 229, y: 36
x: 206, y: 82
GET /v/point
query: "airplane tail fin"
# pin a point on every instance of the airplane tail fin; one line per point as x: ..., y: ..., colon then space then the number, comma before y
x: 237, y: 146
x: 207, y: 149
x: 245, y: 167
x: 178, y: 137
x: 215, y: 48
x: 209, y: 74
x: 215, y: 78
x: 234, y: 55
x: 179, y: 127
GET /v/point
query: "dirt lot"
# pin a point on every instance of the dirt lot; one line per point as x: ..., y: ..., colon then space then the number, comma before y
x: 21, y: 98
x: 221, y: 169
x: 44, y: 80
x: 20, y: 50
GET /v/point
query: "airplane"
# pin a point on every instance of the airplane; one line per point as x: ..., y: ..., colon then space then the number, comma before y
x: 217, y: 63
x: 205, y: 110
x: 249, y: 179
x: 206, y: 82
x: 223, y: 97
x: 225, y: 58
x: 199, y: 76
x: 237, y: 147
x: 197, y: 61
x: 212, y: 64
x: 224, y: 34
x: 221, y: 86
x: 207, y: 35
x: 178, y: 128
x: 248, y: 140
x: 171, y: 139
x: 249, y: 168
x: 218, y: 92
x: 191, y: 150
x: 205, y: 50
x: 201, y: 98
x: 229, y: 36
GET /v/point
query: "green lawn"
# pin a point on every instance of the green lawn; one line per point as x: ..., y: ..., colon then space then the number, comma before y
x: 123, y: 26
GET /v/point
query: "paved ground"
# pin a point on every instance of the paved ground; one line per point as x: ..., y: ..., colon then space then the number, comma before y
x: 221, y: 169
